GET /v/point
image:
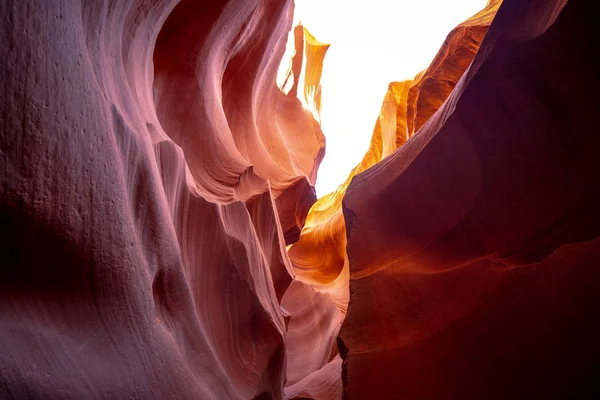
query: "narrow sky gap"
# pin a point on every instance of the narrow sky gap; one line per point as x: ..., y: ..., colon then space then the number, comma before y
x: 373, y: 43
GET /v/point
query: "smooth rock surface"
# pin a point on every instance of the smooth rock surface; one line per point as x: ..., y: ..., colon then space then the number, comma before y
x: 143, y: 148
x: 474, y: 248
x: 161, y: 237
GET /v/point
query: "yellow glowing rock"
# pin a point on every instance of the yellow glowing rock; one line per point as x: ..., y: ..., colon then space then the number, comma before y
x: 319, y: 257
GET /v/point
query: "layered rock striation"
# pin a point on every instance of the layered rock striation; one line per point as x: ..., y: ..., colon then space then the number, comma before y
x: 161, y: 237
x: 144, y: 147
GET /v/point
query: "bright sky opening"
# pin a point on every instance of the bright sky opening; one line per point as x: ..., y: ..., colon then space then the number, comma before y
x: 373, y: 42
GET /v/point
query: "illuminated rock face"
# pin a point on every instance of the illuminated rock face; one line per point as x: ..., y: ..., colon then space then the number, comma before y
x: 153, y: 177
x: 319, y: 256
x: 144, y: 146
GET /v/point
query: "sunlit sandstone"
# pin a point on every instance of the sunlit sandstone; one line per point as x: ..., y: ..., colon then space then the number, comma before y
x: 319, y: 255
x: 159, y: 237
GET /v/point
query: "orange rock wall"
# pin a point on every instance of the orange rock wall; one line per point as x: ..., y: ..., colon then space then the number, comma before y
x: 319, y: 255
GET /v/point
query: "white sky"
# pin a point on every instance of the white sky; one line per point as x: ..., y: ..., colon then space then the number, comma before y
x: 373, y: 42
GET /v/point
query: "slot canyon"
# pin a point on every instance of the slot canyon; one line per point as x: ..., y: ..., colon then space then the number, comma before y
x: 161, y: 237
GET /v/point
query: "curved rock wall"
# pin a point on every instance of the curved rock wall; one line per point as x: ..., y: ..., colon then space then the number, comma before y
x: 157, y: 242
x: 144, y: 147
x: 473, y: 249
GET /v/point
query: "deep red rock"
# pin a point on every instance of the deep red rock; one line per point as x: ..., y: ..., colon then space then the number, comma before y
x: 473, y: 250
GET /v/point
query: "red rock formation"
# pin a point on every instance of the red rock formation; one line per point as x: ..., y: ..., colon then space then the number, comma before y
x: 473, y: 249
x: 153, y: 177
x: 143, y: 149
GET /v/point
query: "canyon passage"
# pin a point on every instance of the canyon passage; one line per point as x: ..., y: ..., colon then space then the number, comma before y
x: 161, y: 238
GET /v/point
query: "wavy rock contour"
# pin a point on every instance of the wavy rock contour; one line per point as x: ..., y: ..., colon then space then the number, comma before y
x: 159, y: 237
x: 144, y: 149
x: 473, y: 249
